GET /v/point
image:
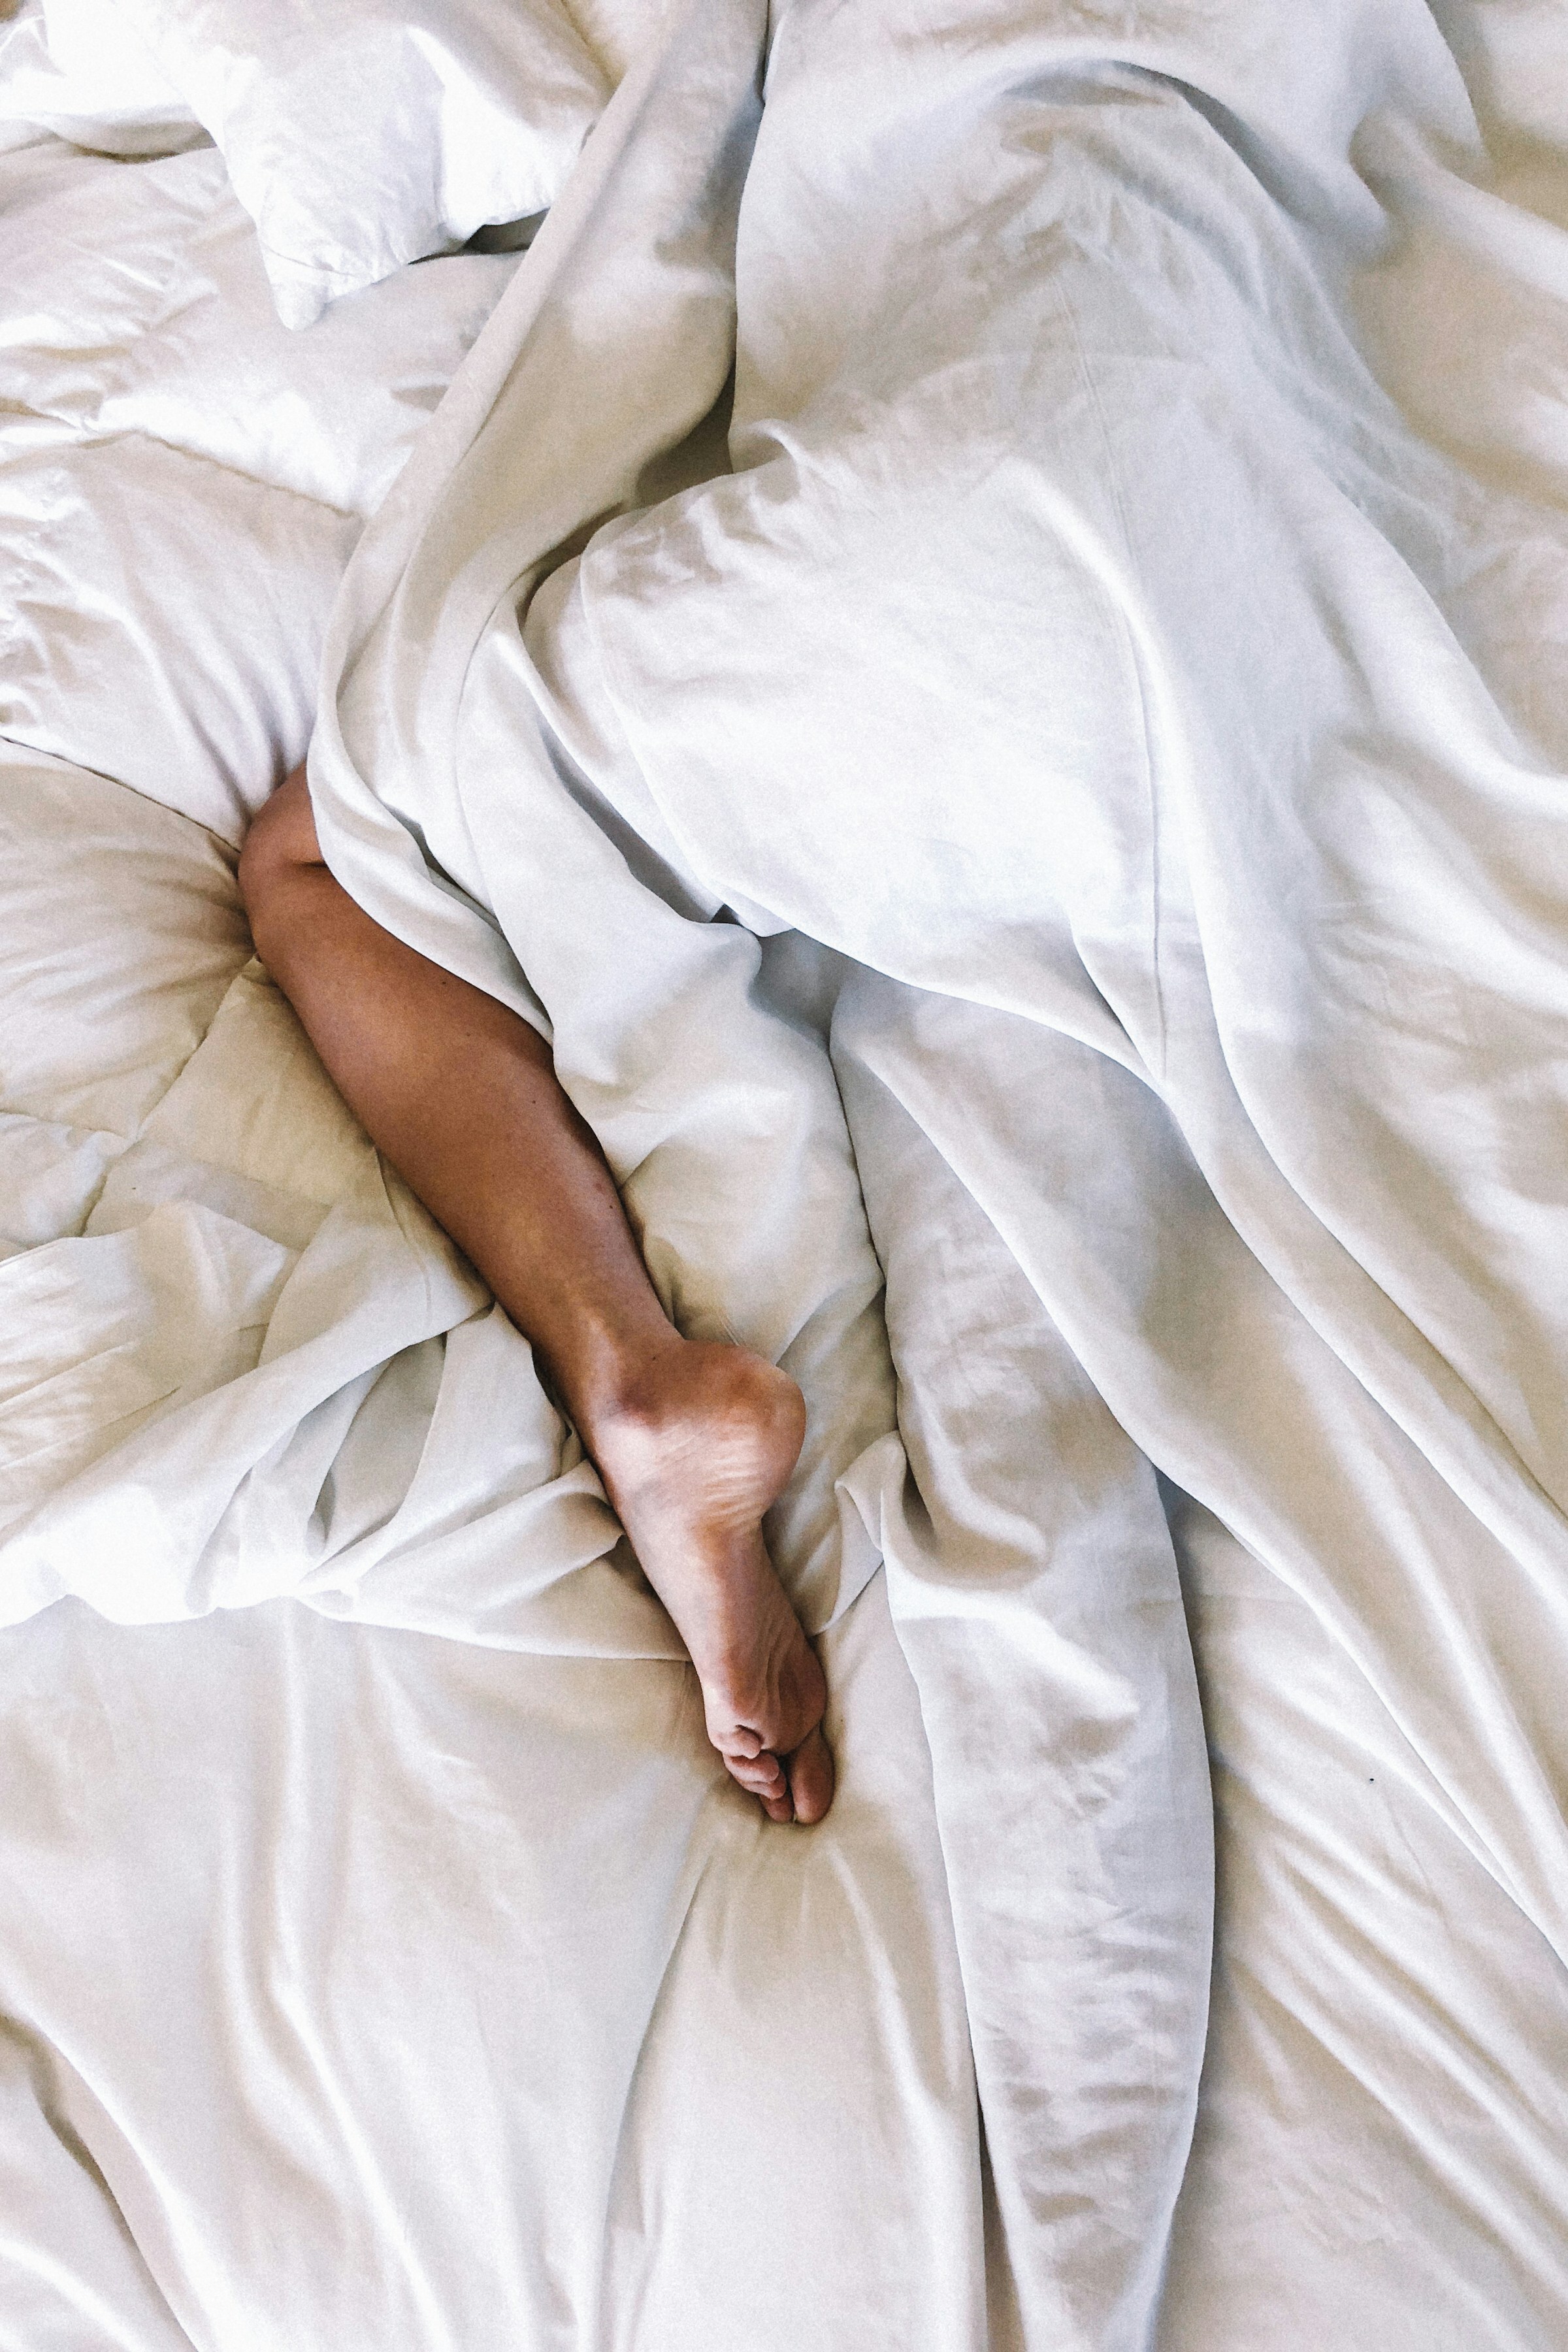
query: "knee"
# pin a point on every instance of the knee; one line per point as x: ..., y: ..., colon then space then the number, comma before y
x: 280, y: 854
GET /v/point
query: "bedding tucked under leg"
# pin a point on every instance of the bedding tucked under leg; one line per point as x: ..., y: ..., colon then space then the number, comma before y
x: 694, y: 1441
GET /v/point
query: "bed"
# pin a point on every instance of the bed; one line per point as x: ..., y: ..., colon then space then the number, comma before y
x: 385, y: 1958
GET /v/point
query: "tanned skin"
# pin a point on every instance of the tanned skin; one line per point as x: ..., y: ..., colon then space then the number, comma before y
x: 693, y: 1440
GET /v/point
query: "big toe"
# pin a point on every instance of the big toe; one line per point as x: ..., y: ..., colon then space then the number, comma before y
x: 811, y: 1778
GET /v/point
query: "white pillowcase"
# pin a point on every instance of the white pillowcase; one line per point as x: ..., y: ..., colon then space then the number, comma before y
x: 360, y: 134
x: 78, y: 69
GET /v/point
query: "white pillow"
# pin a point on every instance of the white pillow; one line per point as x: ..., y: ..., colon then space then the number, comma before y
x: 78, y: 69
x: 360, y: 134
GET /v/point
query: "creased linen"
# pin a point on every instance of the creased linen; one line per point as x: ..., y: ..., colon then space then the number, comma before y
x: 1080, y: 642
x: 1057, y: 620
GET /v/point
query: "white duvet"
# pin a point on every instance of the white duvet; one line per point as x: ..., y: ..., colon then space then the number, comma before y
x: 1084, y: 648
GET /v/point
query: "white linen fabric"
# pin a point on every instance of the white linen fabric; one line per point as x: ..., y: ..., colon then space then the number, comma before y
x: 1378, y: 2156
x: 419, y: 1995
x: 359, y: 134
x: 181, y: 479
x: 75, y: 70
x: 1086, y: 649
x: 1083, y: 641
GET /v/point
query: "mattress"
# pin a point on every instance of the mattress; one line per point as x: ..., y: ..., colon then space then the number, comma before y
x: 386, y: 1960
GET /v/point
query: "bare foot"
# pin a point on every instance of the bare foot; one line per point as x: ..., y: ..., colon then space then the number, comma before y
x: 692, y: 1456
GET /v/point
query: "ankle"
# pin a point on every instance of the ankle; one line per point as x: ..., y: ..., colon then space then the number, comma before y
x: 644, y: 1407
x: 615, y: 1383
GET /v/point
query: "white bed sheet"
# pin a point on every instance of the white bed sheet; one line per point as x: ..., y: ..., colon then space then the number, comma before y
x: 287, y: 2062
x: 373, y: 1990
x: 1375, y: 2148
x: 379, y: 1988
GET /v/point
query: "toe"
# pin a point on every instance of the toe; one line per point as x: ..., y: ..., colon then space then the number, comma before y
x: 811, y: 1778
x: 767, y: 1781
x: 762, y: 1775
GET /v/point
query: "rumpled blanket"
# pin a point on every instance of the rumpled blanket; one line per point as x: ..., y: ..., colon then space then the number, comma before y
x: 918, y: 652
x: 1073, y: 638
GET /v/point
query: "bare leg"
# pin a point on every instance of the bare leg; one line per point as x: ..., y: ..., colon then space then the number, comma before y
x: 693, y: 1440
